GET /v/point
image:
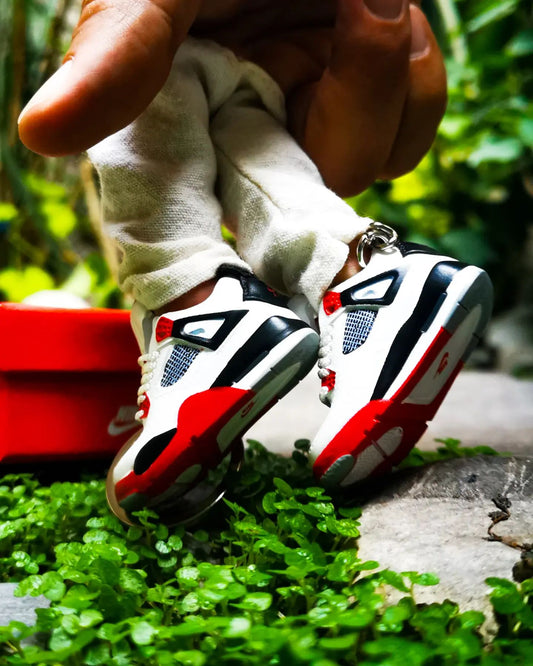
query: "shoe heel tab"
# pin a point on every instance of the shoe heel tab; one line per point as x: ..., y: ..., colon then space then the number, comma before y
x: 252, y: 288
x: 407, y: 248
x: 236, y: 272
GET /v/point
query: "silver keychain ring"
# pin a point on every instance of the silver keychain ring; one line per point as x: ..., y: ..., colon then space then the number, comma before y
x: 377, y: 235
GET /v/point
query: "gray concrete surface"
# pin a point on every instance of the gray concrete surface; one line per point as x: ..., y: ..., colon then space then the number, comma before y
x: 21, y: 609
x: 435, y: 519
x: 488, y: 408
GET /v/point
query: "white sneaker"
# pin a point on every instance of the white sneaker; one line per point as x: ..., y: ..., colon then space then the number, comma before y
x: 393, y: 339
x: 208, y: 373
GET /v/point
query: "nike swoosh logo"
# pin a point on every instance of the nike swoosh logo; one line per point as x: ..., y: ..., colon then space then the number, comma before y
x: 114, y: 429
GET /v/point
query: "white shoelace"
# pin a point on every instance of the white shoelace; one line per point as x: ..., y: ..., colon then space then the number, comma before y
x: 325, y: 351
x: 148, y: 364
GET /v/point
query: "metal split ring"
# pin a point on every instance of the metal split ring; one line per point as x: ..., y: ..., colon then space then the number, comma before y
x: 377, y: 235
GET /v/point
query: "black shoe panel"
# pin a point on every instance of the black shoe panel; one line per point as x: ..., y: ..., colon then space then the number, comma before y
x: 431, y: 298
x: 253, y: 289
x: 353, y: 296
x: 230, y: 319
x: 265, y: 338
x: 152, y: 450
x: 237, y: 272
x: 415, y: 248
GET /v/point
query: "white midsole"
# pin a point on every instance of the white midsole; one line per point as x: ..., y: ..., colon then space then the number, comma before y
x: 246, y: 415
x: 273, y: 388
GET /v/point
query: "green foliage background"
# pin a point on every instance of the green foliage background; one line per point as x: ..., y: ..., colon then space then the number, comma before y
x: 471, y: 196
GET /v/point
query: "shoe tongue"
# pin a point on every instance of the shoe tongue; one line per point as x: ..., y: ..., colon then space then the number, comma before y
x: 141, y: 323
x: 382, y: 260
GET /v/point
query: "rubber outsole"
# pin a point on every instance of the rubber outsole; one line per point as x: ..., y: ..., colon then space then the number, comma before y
x: 189, y: 507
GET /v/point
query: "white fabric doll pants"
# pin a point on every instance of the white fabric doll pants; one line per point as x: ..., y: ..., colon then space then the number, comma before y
x: 212, y: 148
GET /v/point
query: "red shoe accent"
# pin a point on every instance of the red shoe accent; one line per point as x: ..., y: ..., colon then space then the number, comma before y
x: 200, y: 419
x: 331, y: 302
x: 163, y: 329
x: 329, y: 381
x: 371, y: 422
x: 443, y: 364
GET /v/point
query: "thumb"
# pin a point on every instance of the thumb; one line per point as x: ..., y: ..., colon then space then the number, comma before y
x: 119, y: 59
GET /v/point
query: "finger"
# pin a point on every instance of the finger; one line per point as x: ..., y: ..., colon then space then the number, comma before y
x: 348, y: 121
x: 425, y: 102
x: 118, y: 60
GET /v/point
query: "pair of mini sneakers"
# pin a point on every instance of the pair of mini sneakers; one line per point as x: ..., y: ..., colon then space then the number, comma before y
x: 392, y: 340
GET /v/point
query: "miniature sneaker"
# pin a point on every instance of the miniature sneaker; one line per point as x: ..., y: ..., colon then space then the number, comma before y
x: 393, y: 338
x: 208, y: 373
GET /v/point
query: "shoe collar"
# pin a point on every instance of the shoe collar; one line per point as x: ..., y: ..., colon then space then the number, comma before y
x: 226, y: 297
x: 380, y: 262
x: 374, y: 285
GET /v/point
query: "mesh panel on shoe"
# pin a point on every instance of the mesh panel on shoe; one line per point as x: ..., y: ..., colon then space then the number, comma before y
x: 358, y: 326
x: 178, y: 363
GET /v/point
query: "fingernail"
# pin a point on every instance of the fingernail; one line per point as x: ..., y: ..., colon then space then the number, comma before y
x: 50, y: 89
x: 419, y: 40
x: 385, y: 9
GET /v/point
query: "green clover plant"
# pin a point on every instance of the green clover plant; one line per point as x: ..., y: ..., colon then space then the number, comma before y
x: 271, y: 576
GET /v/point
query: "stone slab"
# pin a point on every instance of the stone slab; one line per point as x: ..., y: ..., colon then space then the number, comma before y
x: 435, y: 520
x: 21, y: 609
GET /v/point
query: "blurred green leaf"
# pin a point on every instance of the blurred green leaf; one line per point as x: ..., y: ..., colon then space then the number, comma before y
x: 60, y: 218
x: 17, y: 284
x: 257, y: 601
x: 491, y: 11
x: 496, y: 149
x: 521, y: 44
x: 415, y: 185
x: 454, y: 126
x: 8, y: 212
x: 525, y: 131
x: 468, y: 245
x: 45, y: 188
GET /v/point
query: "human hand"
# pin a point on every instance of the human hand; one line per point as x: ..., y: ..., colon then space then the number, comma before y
x: 365, y: 83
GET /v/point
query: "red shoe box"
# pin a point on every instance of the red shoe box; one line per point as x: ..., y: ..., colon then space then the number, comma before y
x: 68, y: 383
